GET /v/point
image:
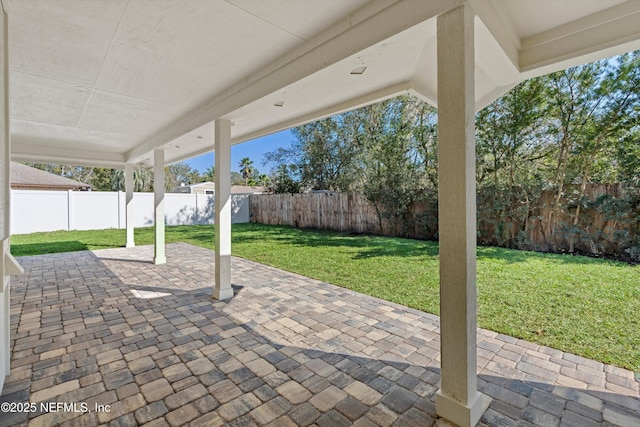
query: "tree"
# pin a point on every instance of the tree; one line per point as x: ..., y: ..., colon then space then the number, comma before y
x: 331, y: 148
x: 179, y: 173
x: 246, y: 169
x: 209, y: 174
x: 386, y: 150
x: 142, y: 180
x: 390, y: 160
x: 627, y: 158
x: 263, y: 180
x: 284, y: 181
x: 101, y: 179
x: 510, y: 137
x: 593, y: 109
x: 510, y: 148
x: 553, y: 133
x: 324, y: 155
x: 236, y: 178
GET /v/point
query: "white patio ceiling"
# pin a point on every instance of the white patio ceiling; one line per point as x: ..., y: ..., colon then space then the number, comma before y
x: 105, y: 82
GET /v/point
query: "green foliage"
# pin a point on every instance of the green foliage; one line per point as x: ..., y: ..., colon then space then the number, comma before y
x: 261, y: 179
x: 387, y: 151
x: 209, y: 174
x: 325, y: 154
x: 392, y: 176
x: 142, y: 180
x: 510, y: 137
x: 284, y: 181
x: 101, y: 179
x: 179, y: 173
x: 559, y: 133
x: 246, y: 169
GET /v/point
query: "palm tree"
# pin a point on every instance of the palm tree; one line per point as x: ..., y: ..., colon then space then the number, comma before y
x: 264, y: 180
x: 246, y: 169
x: 142, y: 180
x: 210, y: 174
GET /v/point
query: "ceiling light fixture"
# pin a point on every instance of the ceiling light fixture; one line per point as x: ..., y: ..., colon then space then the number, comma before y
x: 278, y: 104
x: 199, y: 136
x: 358, y: 70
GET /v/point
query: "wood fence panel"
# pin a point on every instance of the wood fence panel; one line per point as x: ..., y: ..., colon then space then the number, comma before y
x: 352, y: 212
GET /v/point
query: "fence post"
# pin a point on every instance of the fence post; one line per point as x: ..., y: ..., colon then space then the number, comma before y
x: 70, y: 213
x: 119, y: 196
x: 196, y: 212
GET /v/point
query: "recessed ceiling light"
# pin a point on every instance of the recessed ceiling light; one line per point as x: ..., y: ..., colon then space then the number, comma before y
x: 278, y: 104
x: 199, y: 136
x: 358, y: 70
x: 177, y: 146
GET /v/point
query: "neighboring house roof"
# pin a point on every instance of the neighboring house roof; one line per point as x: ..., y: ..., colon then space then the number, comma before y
x: 235, y: 189
x: 201, y: 184
x: 191, y: 187
x: 27, y: 178
x: 247, y: 189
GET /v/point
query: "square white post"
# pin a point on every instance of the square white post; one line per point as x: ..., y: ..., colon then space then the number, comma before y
x: 158, y: 197
x: 5, y: 202
x: 70, y: 211
x: 128, y: 187
x: 458, y: 399
x: 222, y: 141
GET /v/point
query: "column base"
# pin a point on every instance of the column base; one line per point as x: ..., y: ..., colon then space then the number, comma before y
x: 459, y: 414
x: 130, y: 245
x: 222, y: 294
x: 160, y: 260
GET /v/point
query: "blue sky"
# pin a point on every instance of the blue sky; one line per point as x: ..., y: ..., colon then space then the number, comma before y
x: 254, y: 149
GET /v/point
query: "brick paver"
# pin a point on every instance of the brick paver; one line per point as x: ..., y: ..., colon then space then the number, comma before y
x: 147, y: 345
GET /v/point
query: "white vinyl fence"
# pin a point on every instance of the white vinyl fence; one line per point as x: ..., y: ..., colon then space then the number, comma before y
x: 33, y: 211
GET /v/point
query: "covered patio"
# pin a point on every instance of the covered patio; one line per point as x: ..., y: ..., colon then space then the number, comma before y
x: 109, y: 327
x: 140, y: 83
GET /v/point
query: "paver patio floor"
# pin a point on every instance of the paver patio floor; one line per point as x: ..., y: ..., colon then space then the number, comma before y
x: 110, y: 328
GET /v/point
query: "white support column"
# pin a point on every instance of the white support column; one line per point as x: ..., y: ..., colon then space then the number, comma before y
x: 222, y: 140
x: 158, y: 215
x: 128, y: 187
x: 5, y: 204
x: 8, y: 264
x: 458, y: 399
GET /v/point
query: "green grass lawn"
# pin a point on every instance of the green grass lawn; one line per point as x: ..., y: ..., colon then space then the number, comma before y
x: 582, y: 305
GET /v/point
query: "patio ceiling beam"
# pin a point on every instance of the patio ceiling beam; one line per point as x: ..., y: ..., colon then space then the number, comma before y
x: 458, y: 399
x: 30, y: 150
x: 500, y: 28
x: 370, y: 25
x: 222, y: 198
x: 610, y: 29
x: 351, y: 104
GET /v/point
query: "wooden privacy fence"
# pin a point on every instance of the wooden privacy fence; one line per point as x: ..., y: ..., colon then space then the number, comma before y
x: 596, y: 232
x: 349, y: 212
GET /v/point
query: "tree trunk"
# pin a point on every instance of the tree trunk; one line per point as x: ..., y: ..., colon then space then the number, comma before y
x: 554, y: 212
